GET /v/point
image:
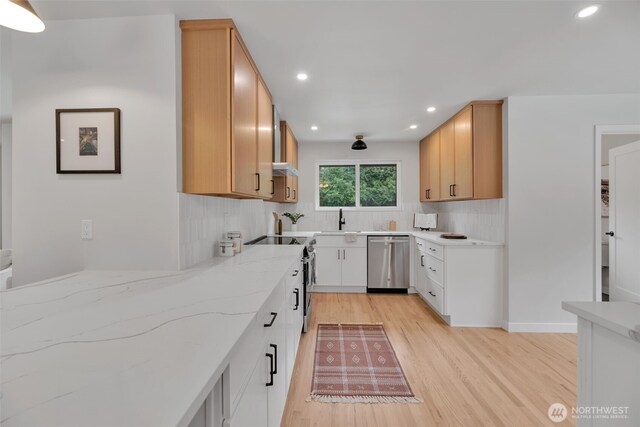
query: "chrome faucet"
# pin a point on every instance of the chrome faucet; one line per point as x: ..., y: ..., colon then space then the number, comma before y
x: 341, y: 221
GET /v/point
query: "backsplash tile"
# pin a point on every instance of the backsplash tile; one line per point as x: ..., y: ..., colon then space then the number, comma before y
x: 480, y: 219
x: 204, y: 220
x: 355, y: 220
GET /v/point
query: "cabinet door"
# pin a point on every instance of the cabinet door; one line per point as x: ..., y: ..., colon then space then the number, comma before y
x: 424, y: 169
x: 252, y: 410
x: 265, y: 141
x: 433, y: 166
x: 294, y: 189
x: 290, y: 147
x: 277, y: 393
x: 295, y: 310
x: 421, y: 274
x: 244, y: 144
x: 447, y: 161
x: 463, y: 143
x: 328, y: 266
x: 354, y: 267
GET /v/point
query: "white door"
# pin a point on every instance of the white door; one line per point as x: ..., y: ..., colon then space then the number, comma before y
x: 328, y: 266
x: 354, y: 267
x: 624, y: 223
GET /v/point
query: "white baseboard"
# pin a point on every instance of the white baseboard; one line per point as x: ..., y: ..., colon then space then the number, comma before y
x: 540, y: 327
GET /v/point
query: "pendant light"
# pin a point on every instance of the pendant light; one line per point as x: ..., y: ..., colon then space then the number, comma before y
x: 359, y: 143
x: 19, y: 15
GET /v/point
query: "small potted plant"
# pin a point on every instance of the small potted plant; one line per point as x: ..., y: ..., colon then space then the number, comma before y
x: 294, y: 217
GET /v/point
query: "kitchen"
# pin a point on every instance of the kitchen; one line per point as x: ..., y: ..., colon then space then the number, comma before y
x: 140, y: 320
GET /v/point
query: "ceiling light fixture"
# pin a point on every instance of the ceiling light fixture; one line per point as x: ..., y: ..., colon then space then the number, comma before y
x: 302, y: 76
x: 587, y: 11
x: 314, y: 128
x: 413, y: 127
x: 359, y: 144
x: 431, y: 109
x: 19, y: 15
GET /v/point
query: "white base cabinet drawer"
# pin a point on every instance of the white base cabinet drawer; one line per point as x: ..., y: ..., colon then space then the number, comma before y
x: 435, y: 269
x: 435, y: 296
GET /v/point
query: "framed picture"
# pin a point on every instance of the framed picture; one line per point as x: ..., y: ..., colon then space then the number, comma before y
x: 88, y: 140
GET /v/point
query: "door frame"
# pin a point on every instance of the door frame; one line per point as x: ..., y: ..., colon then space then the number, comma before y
x: 600, y: 131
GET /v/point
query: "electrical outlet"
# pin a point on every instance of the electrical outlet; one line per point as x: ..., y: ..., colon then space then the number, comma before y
x: 86, y: 229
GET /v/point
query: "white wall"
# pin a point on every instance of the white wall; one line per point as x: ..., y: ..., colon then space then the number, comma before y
x: 129, y: 63
x: 480, y: 219
x: 550, y: 209
x: 5, y: 135
x: 310, y: 153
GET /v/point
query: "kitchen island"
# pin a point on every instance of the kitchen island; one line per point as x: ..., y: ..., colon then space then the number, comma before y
x: 106, y: 348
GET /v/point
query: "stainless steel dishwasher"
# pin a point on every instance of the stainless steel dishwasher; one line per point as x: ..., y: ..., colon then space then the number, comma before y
x: 388, y: 263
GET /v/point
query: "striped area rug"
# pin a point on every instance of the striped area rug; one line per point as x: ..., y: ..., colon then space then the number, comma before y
x: 355, y: 363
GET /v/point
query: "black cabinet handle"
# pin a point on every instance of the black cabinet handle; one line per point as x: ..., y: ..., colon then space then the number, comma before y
x: 297, y: 293
x: 451, y: 190
x: 432, y: 294
x: 288, y: 192
x: 429, y: 193
x: 454, y: 190
x: 294, y: 193
x: 426, y: 194
x: 610, y: 233
x: 273, y: 187
x: 273, y: 319
x: 275, y: 356
x: 270, y: 356
x: 295, y: 273
x: 421, y: 260
x: 258, y: 176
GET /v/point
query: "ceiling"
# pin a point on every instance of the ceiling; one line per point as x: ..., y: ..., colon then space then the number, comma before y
x: 375, y: 66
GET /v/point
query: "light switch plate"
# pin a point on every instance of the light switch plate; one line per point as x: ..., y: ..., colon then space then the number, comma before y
x: 86, y: 229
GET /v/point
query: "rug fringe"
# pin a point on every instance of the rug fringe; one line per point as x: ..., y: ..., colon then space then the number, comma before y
x: 362, y: 399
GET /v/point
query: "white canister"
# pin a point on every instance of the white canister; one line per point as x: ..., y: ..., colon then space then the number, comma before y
x: 226, y: 248
x: 236, y: 237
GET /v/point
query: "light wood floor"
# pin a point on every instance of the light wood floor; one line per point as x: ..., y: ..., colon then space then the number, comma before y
x: 466, y: 376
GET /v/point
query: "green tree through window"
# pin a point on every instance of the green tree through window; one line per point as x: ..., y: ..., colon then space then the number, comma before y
x: 378, y: 186
x: 337, y: 186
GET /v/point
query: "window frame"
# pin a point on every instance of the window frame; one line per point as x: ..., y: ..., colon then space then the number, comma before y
x: 357, y: 164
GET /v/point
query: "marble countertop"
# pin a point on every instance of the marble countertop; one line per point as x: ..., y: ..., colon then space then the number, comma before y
x: 432, y: 236
x: 617, y: 316
x: 106, y: 348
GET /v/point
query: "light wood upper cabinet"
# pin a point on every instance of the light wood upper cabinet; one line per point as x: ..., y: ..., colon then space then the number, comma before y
x: 265, y: 141
x: 286, y: 187
x: 430, y: 168
x: 226, y: 114
x: 470, y: 148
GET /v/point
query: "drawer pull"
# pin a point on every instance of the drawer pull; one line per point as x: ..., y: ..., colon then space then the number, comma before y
x: 273, y: 319
x: 295, y: 273
x: 421, y: 260
x: 275, y: 357
x: 270, y: 356
x: 297, y: 292
x: 432, y: 249
x: 432, y: 269
x: 432, y: 294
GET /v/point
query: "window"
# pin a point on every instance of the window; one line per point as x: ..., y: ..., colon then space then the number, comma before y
x: 357, y: 185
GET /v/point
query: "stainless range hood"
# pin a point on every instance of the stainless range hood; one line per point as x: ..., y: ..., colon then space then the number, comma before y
x: 280, y: 168
x: 284, y: 169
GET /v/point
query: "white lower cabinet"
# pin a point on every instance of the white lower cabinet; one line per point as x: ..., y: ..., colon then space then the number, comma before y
x: 462, y: 283
x: 261, y: 398
x: 341, y: 264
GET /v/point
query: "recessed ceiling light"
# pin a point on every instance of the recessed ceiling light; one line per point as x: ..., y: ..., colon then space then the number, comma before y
x: 431, y: 109
x: 588, y: 11
x: 314, y: 127
x: 413, y: 127
x: 302, y: 76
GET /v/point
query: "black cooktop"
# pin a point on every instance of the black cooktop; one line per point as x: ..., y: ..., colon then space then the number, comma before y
x: 279, y: 240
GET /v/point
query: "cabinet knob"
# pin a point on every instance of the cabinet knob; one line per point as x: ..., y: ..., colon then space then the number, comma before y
x: 609, y: 233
